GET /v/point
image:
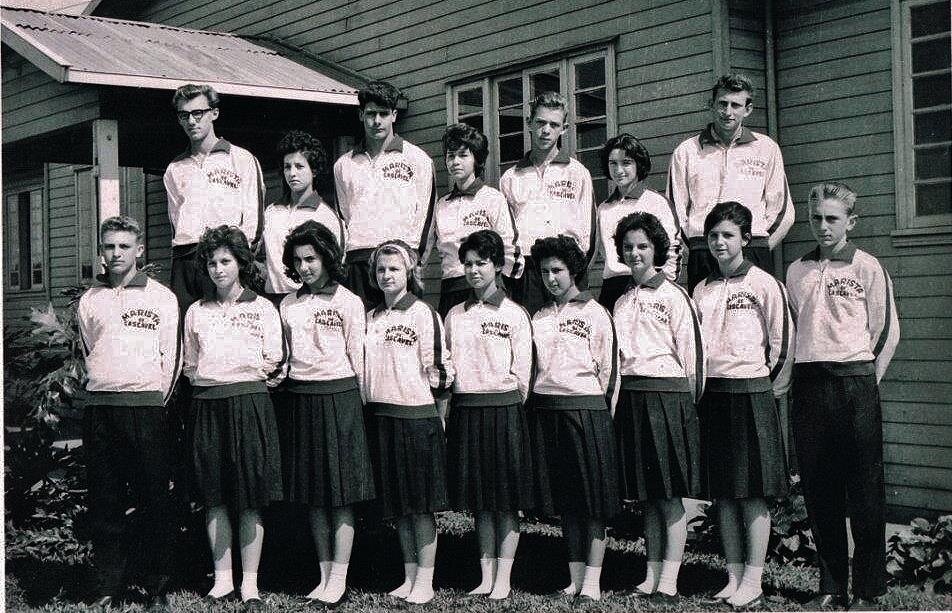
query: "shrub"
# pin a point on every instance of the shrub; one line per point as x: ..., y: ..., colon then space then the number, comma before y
x: 922, y: 554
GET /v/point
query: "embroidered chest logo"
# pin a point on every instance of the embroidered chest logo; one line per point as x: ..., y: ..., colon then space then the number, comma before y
x: 249, y: 322
x: 477, y: 219
x: 655, y: 309
x: 400, y: 335
x: 742, y: 301
x: 750, y: 167
x: 845, y: 287
x: 329, y: 318
x: 565, y: 189
x: 397, y: 171
x: 577, y: 327
x: 143, y: 319
x: 495, y: 328
x: 224, y: 176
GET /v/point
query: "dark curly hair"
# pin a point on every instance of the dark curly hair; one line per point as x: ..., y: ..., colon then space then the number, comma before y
x: 234, y: 240
x: 379, y: 92
x: 297, y: 141
x: 651, y: 226
x: 461, y: 135
x: 633, y: 149
x: 730, y: 211
x: 562, y: 247
x: 487, y: 244
x: 325, y: 244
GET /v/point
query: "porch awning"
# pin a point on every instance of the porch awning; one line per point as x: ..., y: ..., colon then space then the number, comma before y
x: 101, y: 51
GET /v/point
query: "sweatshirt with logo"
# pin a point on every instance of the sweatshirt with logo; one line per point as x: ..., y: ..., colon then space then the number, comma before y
x: 644, y: 200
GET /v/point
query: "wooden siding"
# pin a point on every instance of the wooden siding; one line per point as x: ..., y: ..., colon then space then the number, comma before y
x: 836, y: 123
x: 34, y: 103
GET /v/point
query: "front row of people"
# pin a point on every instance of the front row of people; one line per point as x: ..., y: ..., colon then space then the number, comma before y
x: 694, y: 382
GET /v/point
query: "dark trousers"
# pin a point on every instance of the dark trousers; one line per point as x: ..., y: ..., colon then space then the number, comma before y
x: 837, y: 427
x: 358, y: 278
x: 127, y: 464
x: 190, y: 280
x: 701, y: 263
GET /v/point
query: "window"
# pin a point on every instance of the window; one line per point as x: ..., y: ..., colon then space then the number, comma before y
x: 87, y: 218
x: 923, y: 95
x: 498, y: 105
x: 23, y: 240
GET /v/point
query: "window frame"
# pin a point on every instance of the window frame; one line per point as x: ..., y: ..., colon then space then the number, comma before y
x: 15, y: 188
x: 911, y: 229
x: 488, y: 84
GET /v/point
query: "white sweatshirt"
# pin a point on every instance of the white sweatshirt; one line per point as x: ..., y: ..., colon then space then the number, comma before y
x: 226, y: 188
x: 406, y: 361
x: 659, y: 337
x: 747, y: 325
x: 643, y: 200
x: 491, y: 343
x: 325, y: 334
x: 240, y: 342
x: 845, y: 309
x: 552, y: 199
x: 385, y: 198
x: 130, y: 340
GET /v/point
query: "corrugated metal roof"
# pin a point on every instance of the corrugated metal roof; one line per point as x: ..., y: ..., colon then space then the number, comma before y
x: 97, y: 50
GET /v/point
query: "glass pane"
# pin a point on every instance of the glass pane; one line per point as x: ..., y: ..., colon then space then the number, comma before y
x: 36, y: 230
x: 590, y: 74
x: 37, y: 273
x: 933, y: 127
x: 591, y: 134
x: 600, y: 188
x: 934, y: 199
x: 593, y: 161
x: 11, y: 221
x: 934, y: 163
x: 930, y: 91
x: 590, y: 104
x: 510, y: 148
x: 930, y: 18
x: 510, y: 121
x: 510, y: 92
x: 544, y: 82
x: 931, y: 55
x: 475, y: 120
x: 470, y: 101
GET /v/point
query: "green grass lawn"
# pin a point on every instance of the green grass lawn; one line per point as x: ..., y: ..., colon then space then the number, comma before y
x: 289, y: 571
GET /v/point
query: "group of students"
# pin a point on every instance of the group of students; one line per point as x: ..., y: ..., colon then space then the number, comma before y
x: 334, y: 385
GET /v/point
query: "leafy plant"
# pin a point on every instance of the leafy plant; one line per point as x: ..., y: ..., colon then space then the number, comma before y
x: 922, y: 554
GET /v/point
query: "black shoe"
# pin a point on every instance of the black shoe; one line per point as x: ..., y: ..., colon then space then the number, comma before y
x: 102, y: 603
x: 665, y: 599
x: 754, y: 605
x: 638, y: 594
x: 583, y: 600
x: 865, y: 604
x: 330, y: 606
x: 213, y: 599
x: 252, y: 604
x: 710, y: 600
x: 826, y: 601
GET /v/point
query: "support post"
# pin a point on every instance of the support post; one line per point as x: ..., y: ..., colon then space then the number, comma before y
x: 106, y: 163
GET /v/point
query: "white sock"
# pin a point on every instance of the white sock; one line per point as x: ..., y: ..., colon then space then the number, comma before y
x: 224, y: 584
x: 336, y: 583
x: 750, y: 586
x: 325, y: 575
x: 249, y: 586
x: 591, y: 584
x: 487, y: 568
x: 576, y: 574
x: 735, y: 571
x: 650, y: 584
x: 668, y: 584
x: 501, y: 585
x: 409, y: 574
x: 422, y: 591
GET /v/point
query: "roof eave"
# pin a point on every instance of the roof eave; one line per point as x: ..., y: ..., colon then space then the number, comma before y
x: 35, y: 52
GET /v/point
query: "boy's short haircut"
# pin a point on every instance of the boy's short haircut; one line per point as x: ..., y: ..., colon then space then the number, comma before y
x: 834, y: 191
x: 633, y: 149
x: 462, y: 135
x: 549, y: 100
x: 190, y: 90
x: 121, y: 223
x: 564, y: 248
x: 730, y: 211
x: 734, y: 82
x: 313, y: 151
x: 325, y: 245
x: 379, y: 92
x: 651, y: 226
x: 487, y: 244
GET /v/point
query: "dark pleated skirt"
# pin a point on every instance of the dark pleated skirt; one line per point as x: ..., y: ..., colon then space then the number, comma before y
x: 576, y: 462
x: 658, y: 443
x: 742, y: 452
x: 409, y: 458
x: 235, y: 451
x: 324, y: 449
x: 489, y: 459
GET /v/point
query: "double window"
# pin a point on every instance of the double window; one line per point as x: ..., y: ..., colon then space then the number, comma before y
x: 23, y: 239
x: 498, y: 106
